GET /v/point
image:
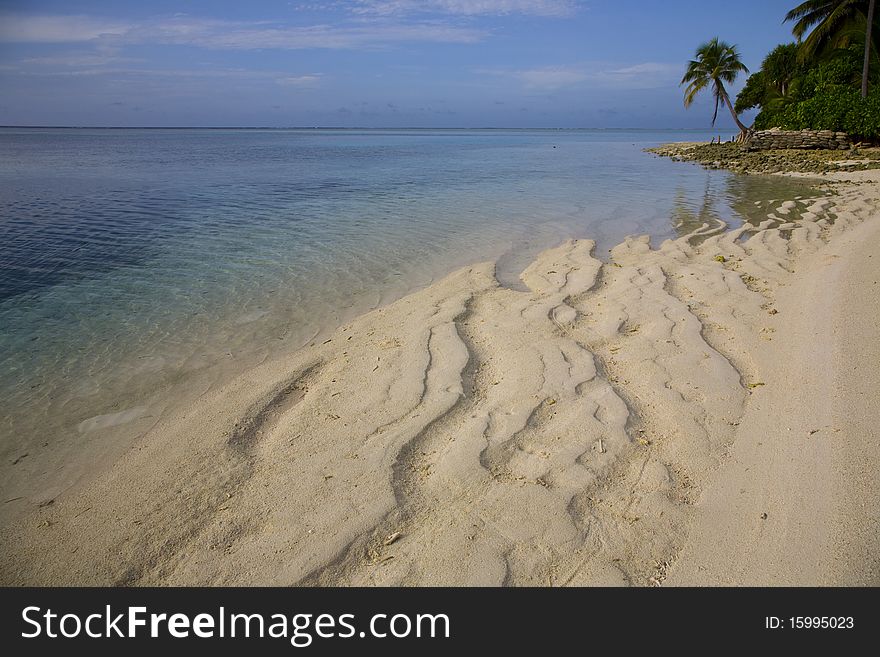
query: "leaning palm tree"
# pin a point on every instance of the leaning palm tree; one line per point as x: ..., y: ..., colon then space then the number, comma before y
x: 830, y: 24
x: 716, y: 62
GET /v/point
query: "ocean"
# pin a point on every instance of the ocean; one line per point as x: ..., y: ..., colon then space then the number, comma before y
x: 141, y: 266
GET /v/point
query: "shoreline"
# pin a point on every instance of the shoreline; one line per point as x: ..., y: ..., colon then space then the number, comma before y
x: 584, y: 431
x: 790, y: 507
x: 789, y: 162
x: 97, y: 358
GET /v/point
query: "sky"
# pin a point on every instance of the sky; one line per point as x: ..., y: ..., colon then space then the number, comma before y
x: 369, y: 63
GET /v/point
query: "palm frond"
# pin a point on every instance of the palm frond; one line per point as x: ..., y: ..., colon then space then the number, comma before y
x: 822, y: 21
x: 715, y: 63
x: 693, y: 89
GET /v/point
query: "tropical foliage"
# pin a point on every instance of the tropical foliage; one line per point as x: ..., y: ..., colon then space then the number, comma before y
x: 829, y: 79
x: 835, y: 24
x: 828, y: 100
x: 715, y: 64
x: 776, y: 82
x: 827, y: 25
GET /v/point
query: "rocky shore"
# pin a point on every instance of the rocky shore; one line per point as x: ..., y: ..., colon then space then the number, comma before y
x: 742, y: 159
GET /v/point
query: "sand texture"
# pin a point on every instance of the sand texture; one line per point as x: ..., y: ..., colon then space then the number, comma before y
x: 704, y: 412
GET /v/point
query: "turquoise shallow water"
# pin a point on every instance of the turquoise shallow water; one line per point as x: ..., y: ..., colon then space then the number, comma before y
x: 135, y: 261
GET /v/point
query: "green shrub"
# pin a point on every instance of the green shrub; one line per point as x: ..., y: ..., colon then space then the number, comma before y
x: 753, y: 94
x: 833, y: 108
x: 827, y: 97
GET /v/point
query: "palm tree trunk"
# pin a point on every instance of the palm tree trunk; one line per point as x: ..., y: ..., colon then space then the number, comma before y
x: 868, y: 33
x: 742, y: 128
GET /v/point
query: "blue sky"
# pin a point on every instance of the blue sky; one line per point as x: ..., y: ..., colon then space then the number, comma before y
x: 370, y: 63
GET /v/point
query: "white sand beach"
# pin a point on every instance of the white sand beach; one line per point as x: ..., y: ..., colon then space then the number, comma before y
x: 699, y: 412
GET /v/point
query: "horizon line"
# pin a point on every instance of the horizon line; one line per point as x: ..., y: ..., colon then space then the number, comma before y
x: 268, y: 127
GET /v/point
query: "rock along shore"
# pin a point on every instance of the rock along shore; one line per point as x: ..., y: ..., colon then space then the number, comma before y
x: 743, y: 159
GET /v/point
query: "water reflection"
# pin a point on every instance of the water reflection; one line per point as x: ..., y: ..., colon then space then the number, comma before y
x: 688, y: 217
x: 751, y: 199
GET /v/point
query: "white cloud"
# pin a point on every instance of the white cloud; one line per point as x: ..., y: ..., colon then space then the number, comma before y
x: 245, y: 37
x: 648, y: 68
x: 646, y: 75
x: 300, y: 80
x: 80, y: 60
x: 232, y: 35
x: 19, y: 28
x: 468, y: 7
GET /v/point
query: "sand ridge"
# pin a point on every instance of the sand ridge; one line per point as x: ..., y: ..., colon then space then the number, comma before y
x: 585, y: 431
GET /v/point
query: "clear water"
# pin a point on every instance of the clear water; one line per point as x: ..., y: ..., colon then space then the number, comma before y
x: 141, y: 265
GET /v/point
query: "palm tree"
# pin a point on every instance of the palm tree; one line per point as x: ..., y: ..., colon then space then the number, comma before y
x: 867, y: 63
x: 716, y: 62
x: 832, y: 23
x: 781, y: 66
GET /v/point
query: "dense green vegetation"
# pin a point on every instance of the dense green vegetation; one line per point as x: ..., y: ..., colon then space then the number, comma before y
x: 821, y: 95
x: 828, y: 80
